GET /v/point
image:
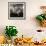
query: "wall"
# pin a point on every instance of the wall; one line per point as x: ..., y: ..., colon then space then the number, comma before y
x: 26, y: 27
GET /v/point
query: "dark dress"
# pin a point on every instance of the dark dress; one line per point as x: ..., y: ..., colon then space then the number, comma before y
x: 16, y: 15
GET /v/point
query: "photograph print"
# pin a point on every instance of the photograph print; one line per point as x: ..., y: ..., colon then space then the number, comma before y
x: 16, y: 10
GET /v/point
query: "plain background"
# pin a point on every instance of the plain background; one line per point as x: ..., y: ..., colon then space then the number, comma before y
x: 26, y: 27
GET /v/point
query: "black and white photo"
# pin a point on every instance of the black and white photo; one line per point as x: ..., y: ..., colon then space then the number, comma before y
x: 16, y: 10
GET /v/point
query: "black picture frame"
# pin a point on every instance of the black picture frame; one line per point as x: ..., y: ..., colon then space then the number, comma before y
x: 16, y: 10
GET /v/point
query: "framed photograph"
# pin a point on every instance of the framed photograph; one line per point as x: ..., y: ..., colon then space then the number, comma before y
x: 16, y: 10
